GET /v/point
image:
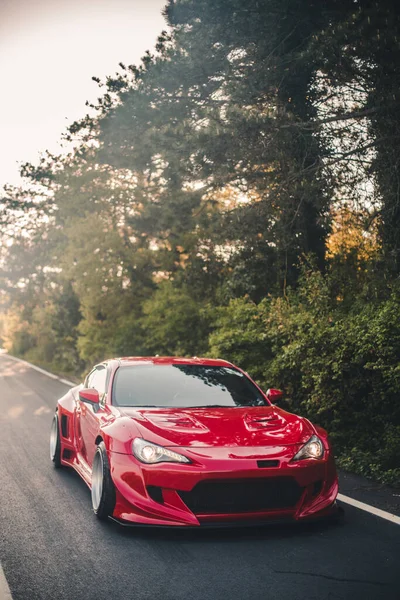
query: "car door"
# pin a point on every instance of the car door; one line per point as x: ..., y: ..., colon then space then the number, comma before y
x: 89, y: 418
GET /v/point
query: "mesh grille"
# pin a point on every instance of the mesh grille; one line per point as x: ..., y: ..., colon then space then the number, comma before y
x: 248, y: 495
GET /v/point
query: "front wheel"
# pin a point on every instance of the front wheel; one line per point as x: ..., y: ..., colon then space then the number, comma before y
x: 103, y: 490
x: 55, y: 443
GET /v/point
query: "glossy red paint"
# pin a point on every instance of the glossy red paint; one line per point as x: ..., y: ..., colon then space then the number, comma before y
x: 236, y: 446
x: 89, y: 395
x: 274, y: 395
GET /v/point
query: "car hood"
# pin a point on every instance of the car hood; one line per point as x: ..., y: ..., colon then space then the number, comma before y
x: 216, y: 427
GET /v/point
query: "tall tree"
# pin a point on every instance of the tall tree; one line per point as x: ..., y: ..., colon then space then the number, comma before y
x: 228, y: 102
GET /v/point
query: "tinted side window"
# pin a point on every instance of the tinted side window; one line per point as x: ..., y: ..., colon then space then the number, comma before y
x: 97, y: 379
x: 90, y: 378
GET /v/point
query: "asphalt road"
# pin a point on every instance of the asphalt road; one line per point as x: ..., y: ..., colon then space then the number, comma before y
x: 52, y: 546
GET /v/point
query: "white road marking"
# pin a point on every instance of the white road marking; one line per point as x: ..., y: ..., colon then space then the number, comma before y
x: 346, y: 499
x: 371, y: 509
x: 39, y: 370
x: 5, y: 593
x: 67, y: 382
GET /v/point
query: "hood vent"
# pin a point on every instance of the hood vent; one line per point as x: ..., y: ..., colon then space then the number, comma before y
x: 254, y: 423
x: 176, y: 422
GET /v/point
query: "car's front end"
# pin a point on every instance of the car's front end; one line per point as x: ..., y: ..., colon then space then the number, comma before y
x: 223, y: 485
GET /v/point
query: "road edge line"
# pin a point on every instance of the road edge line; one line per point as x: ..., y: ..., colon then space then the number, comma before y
x: 5, y: 593
x: 370, y: 509
x: 39, y: 370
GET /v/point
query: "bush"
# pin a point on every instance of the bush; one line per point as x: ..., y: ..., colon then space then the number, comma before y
x: 340, y: 369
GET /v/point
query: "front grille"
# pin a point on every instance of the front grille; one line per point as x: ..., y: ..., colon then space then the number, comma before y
x: 246, y: 495
x: 317, y: 487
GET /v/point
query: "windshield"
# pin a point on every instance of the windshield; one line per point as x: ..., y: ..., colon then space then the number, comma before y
x: 183, y: 386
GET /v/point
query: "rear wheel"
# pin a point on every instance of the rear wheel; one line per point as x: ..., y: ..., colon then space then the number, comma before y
x: 103, y: 490
x: 55, y: 443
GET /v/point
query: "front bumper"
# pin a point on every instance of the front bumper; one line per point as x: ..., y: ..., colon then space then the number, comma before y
x: 222, y: 487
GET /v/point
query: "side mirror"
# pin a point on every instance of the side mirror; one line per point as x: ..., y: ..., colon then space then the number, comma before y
x: 89, y: 395
x: 274, y: 395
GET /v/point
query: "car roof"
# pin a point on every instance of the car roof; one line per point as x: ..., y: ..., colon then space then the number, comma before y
x: 172, y: 360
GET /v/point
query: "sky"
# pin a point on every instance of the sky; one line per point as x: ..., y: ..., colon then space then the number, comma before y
x: 49, y: 51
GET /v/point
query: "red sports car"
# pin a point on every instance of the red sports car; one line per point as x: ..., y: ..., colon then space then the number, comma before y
x: 190, y: 442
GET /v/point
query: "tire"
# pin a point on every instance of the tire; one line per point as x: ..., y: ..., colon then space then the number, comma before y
x: 103, y: 490
x: 55, y: 443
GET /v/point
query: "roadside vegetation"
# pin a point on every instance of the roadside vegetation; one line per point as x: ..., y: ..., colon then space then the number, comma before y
x: 234, y: 195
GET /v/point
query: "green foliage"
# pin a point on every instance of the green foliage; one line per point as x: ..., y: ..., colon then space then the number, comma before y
x: 241, y: 335
x: 174, y: 323
x: 47, y: 332
x: 340, y: 369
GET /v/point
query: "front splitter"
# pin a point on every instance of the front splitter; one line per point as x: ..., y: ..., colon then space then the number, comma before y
x: 332, y: 513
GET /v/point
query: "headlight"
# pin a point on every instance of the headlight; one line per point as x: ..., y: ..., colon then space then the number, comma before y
x: 150, y: 453
x: 314, y: 448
